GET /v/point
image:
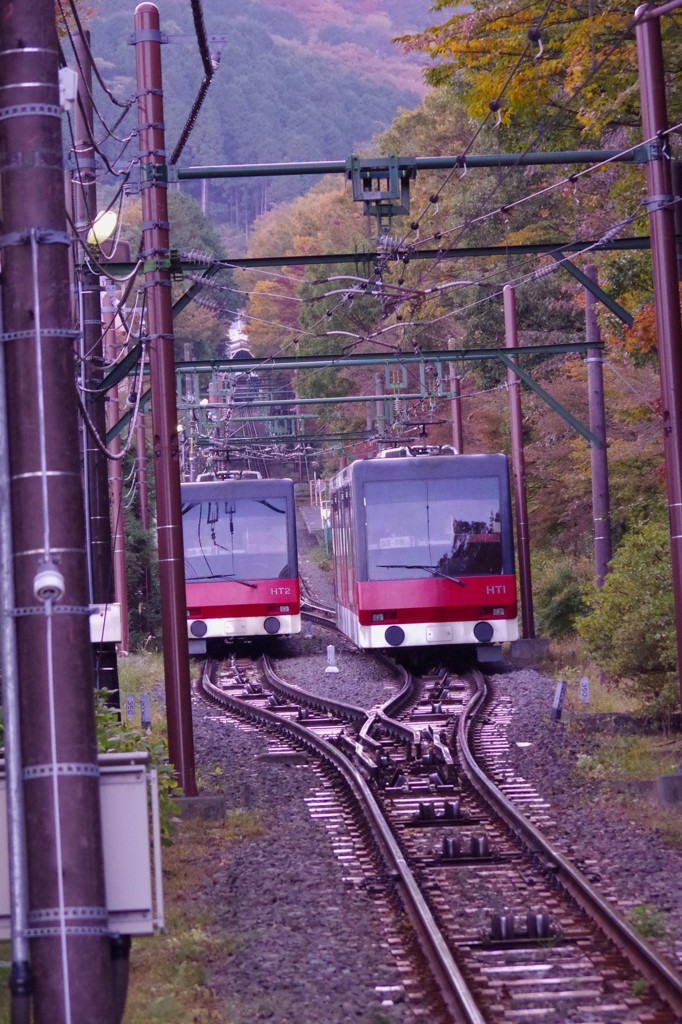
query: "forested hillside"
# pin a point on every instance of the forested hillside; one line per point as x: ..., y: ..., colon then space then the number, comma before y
x: 311, y: 81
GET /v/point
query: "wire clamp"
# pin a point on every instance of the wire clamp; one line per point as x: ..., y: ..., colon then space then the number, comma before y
x: 654, y: 203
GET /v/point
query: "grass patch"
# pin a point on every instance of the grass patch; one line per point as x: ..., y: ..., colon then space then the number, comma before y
x: 650, y: 923
x: 243, y: 825
x: 321, y: 558
x: 140, y: 674
x: 631, y: 757
x: 568, y: 659
x: 617, y: 759
x: 169, y: 971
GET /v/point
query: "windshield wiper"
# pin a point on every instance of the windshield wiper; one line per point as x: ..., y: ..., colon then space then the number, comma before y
x: 426, y: 568
x: 220, y: 576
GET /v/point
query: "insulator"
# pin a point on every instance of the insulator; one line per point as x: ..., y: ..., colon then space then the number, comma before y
x: 194, y: 256
x: 615, y: 230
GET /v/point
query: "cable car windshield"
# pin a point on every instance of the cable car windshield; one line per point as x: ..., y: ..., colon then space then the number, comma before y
x: 239, y: 539
x: 439, y: 528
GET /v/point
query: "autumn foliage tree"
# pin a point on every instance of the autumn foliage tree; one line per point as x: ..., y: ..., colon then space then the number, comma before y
x: 555, y: 69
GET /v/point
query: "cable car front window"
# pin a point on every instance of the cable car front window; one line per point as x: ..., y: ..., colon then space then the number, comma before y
x: 439, y: 528
x: 240, y: 539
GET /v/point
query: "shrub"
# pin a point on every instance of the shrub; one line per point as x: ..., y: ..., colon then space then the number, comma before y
x: 630, y: 625
x: 559, y: 583
x: 115, y: 735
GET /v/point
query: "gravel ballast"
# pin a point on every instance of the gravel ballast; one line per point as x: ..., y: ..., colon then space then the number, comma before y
x: 305, y: 939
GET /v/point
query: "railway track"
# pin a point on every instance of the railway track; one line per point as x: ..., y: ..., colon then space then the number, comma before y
x: 318, y: 614
x: 509, y: 929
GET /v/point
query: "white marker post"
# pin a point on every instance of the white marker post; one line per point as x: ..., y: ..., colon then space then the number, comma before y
x: 331, y: 659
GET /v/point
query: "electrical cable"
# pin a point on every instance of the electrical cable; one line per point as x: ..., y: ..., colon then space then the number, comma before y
x: 83, y: 36
x: 116, y: 456
x: 210, y: 66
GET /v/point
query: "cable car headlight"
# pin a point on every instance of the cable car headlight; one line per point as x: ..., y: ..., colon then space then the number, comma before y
x: 483, y: 632
x: 394, y: 636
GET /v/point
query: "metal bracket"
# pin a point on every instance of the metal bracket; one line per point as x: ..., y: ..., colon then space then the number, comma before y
x: 57, y: 609
x: 657, y: 149
x: 154, y: 174
x: 30, y: 110
x: 382, y: 185
x: 148, y: 35
x: 70, y: 769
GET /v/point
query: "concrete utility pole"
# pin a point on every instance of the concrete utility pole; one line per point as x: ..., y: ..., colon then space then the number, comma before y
x: 601, y: 510
x: 519, y: 472
x: 67, y: 915
x: 100, y: 564
x: 665, y: 277
x: 156, y: 253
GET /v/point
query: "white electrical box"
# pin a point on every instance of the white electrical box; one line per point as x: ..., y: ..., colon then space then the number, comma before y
x: 105, y: 623
x: 131, y: 835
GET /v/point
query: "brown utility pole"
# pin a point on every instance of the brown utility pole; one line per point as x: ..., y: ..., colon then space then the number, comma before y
x: 113, y: 412
x: 519, y: 472
x: 100, y: 566
x: 601, y: 509
x: 67, y: 916
x: 665, y: 277
x: 156, y: 253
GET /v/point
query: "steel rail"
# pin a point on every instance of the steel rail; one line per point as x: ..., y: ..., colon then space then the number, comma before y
x: 645, y: 959
x: 454, y: 989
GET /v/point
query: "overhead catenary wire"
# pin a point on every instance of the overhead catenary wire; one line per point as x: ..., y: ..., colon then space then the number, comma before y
x: 210, y: 66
